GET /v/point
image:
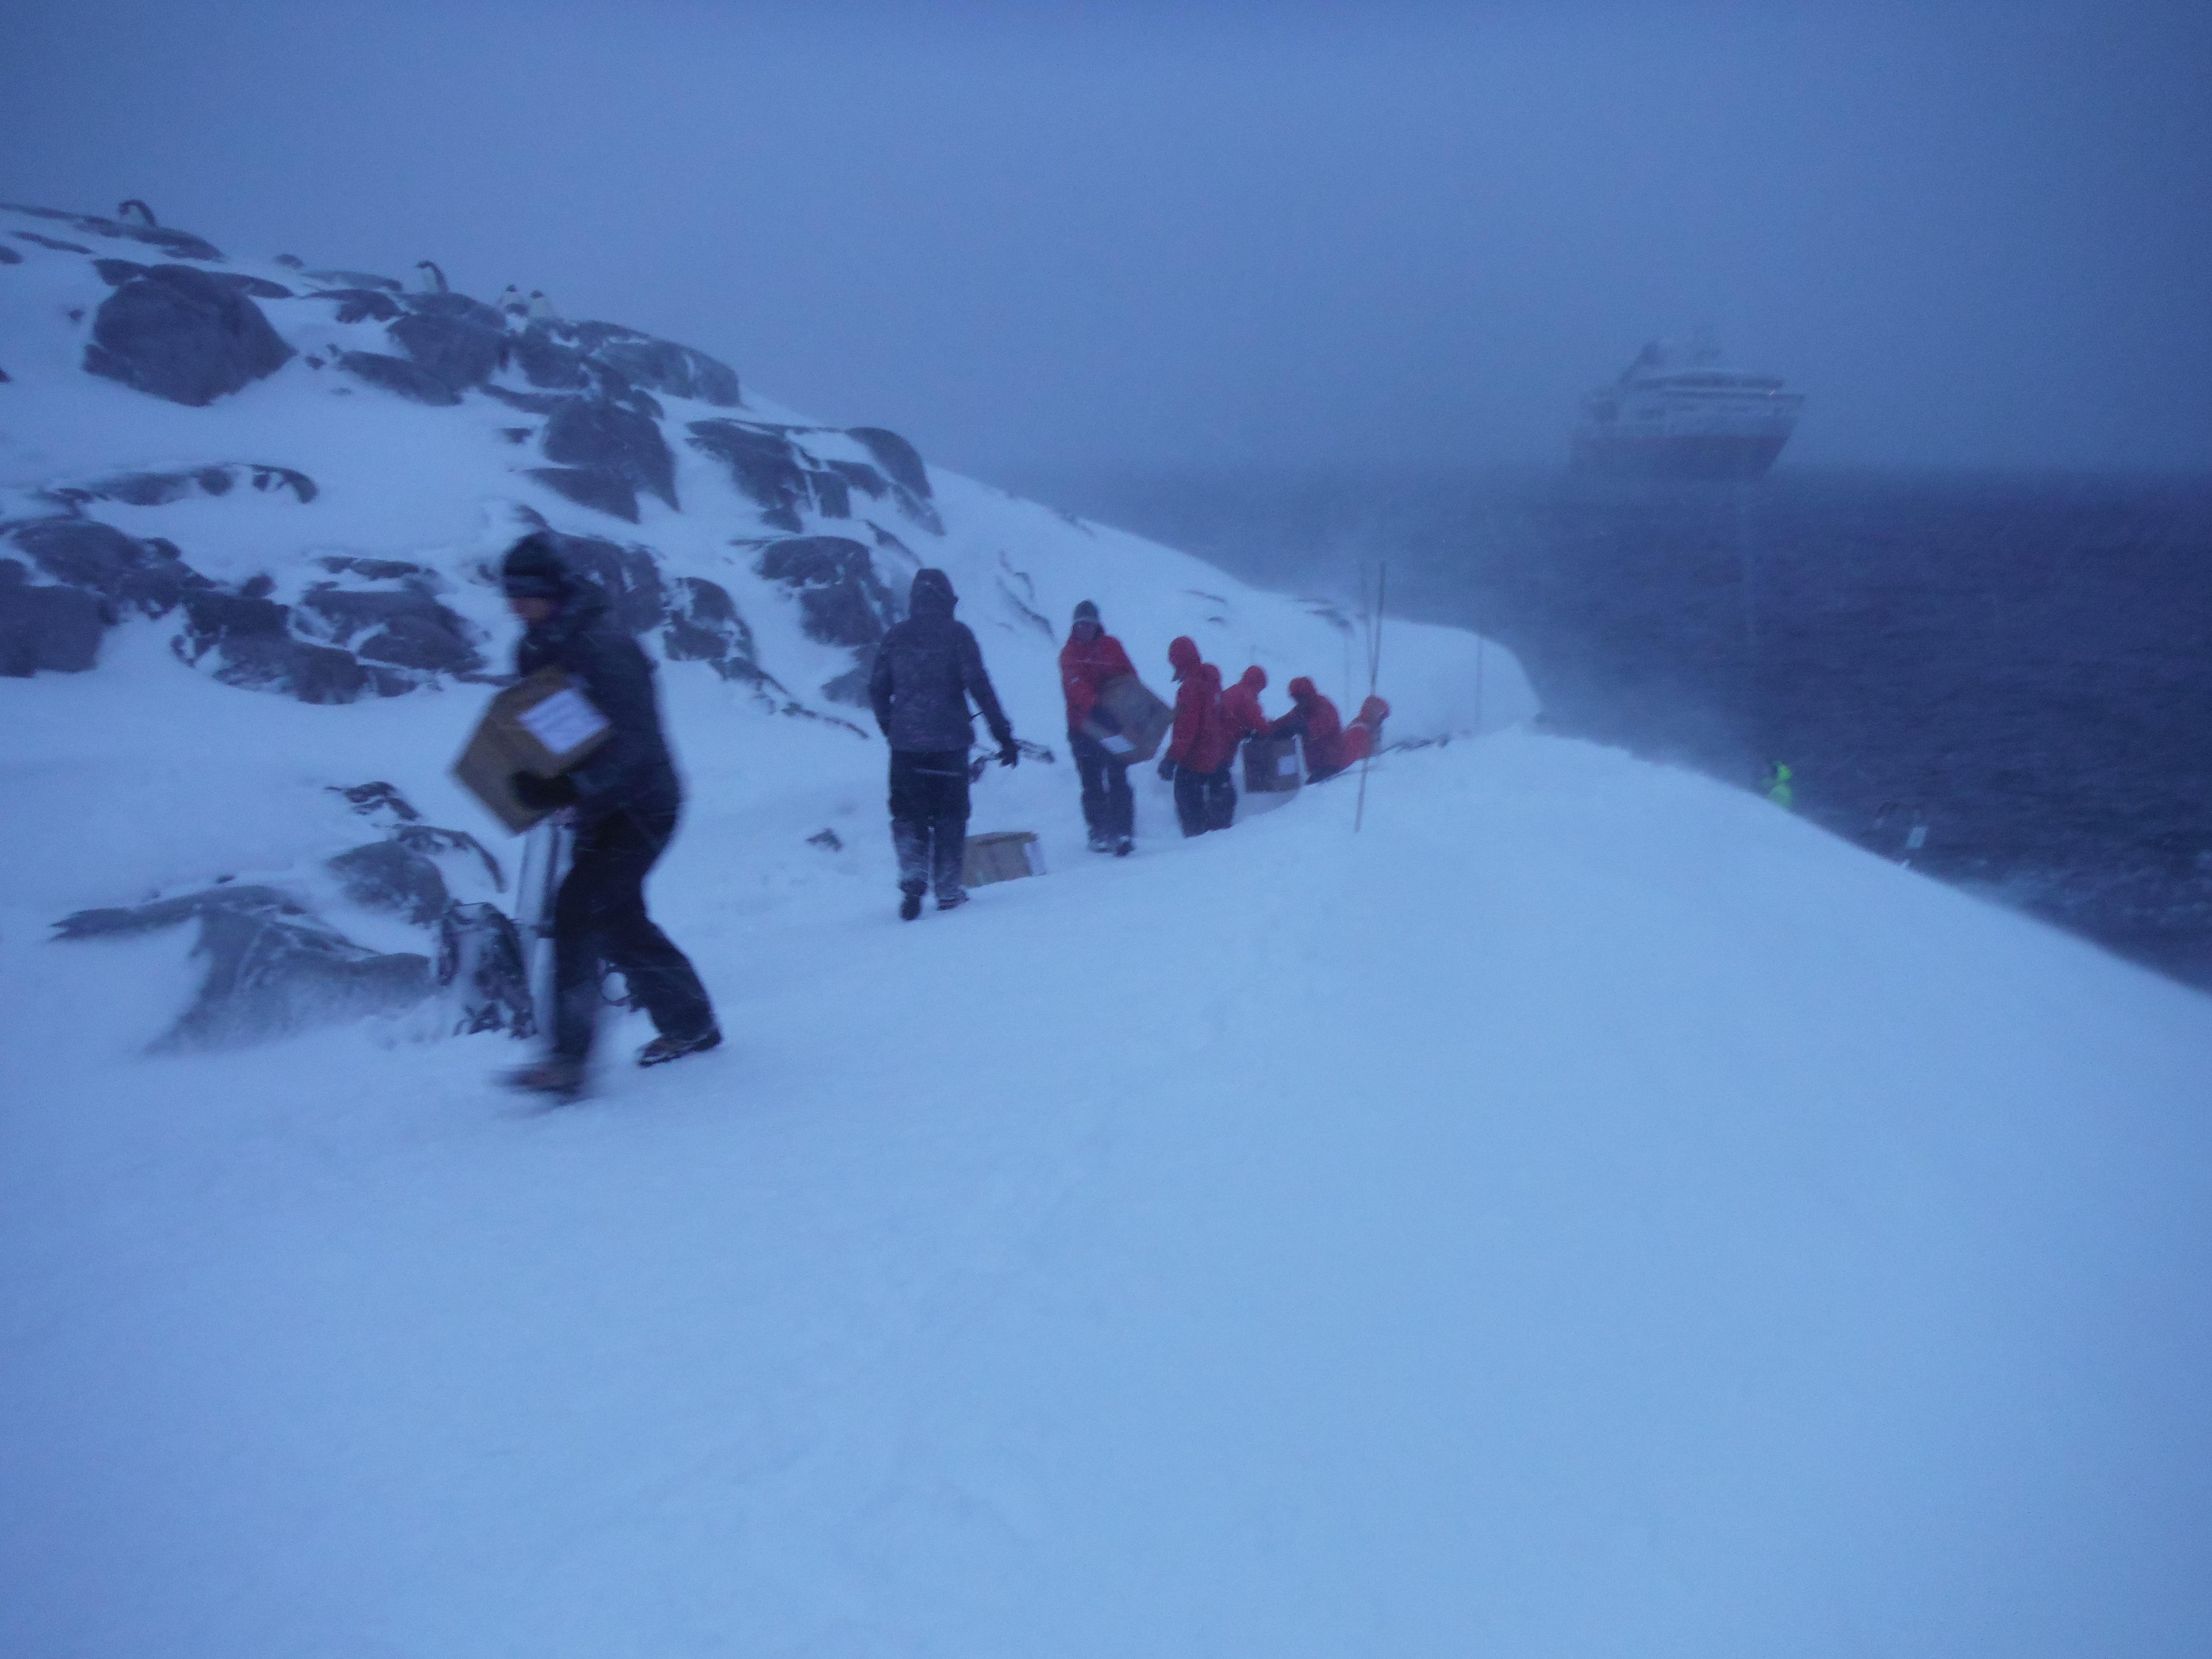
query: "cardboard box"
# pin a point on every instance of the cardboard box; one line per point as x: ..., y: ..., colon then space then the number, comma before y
x: 542, y: 725
x: 1007, y: 855
x: 1142, y: 719
x: 1270, y: 766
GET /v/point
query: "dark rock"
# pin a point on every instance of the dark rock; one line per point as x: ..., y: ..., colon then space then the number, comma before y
x: 587, y: 432
x: 273, y: 969
x: 432, y: 843
x: 54, y: 243
x: 629, y: 576
x: 833, y: 496
x: 673, y: 370
x: 351, y: 279
x: 842, y: 600
x: 159, y: 488
x: 183, y: 334
x: 900, y: 459
x: 483, y: 969
x: 385, y: 570
x: 703, y: 625
x: 54, y: 629
x: 517, y: 435
x: 147, y: 575
x: 406, y: 629
x: 548, y: 361
x: 827, y: 840
x: 9, y: 257
x: 858, y: 475
x: 278, y: 662
x: 394, y: 878
x: 459, y: 348
x: 360, y: 305
x: 181, y: 243
x: 762, y: 463
x: 530, y: 403
x: 591, y: 486
x: 291, y: 262
x: 116, y: 272
x: 399, y: 375
x: 370, y: 798
x: 850, y: 687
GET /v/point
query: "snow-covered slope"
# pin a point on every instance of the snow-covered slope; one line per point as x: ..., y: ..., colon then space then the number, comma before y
x: 1584, y: 1210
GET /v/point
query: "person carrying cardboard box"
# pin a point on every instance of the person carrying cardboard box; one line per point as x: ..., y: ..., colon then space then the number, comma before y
x: 1090, y: 658
x: 1201, y: 746
x: 624, y: 799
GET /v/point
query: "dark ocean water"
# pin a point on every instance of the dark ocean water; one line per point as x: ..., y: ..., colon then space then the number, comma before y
x: 2022, y: 665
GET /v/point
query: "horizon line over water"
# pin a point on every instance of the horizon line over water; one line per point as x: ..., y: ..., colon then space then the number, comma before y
x: 2016, y: 662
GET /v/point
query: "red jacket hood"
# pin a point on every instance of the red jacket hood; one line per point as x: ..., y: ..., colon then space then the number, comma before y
x: 1302, y: 689
x: 1255, y: 677
x: 1182, y: 654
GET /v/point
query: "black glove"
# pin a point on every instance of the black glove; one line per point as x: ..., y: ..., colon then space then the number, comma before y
x: 543, y: 794
x: 1009, y: 752
x: 1167, y: 770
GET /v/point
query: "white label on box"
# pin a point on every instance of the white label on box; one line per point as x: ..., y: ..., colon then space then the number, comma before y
x: 563, y: 721
x: 1286, y: 766
x: 1116, y: 744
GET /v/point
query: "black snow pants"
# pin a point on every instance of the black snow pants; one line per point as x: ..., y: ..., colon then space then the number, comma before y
x: 1109, y: 808
x: 599, y: 916
x: 1205, y: 800
x: 929, y: 818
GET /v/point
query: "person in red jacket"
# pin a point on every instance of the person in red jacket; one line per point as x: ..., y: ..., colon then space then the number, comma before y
x: 1313, y: 720
x: 1200, y: 746
x: 1240, y: 706
x: 1090, y: 659
x: 1364, y: 735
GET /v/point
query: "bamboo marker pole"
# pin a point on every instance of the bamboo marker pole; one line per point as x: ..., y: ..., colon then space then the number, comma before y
x: 1373, y: 673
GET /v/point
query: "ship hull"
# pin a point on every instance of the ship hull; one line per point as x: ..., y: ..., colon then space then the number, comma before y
x: 1679, y: 455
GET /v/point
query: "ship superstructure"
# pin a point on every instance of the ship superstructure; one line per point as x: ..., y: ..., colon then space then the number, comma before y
x: 1679, y: 412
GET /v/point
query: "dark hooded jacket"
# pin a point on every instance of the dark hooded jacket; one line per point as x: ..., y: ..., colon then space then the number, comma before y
x: 631, y: 769
x: 927, y: 669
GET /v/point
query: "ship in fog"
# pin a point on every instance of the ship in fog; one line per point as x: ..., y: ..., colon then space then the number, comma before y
x: 1679, y: 412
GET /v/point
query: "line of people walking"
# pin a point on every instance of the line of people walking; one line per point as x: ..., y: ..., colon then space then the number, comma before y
x: 624, y: 799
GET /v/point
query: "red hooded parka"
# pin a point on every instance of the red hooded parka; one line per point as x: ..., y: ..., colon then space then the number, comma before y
x: 1314, y: 718
x: 1240, y: 705
x: 1201, y: 741
x: 1083, y: 667
x: 1364, y: 735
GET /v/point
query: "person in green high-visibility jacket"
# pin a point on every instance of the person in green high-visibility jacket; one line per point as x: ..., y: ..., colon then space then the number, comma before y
x: 1777, y: 787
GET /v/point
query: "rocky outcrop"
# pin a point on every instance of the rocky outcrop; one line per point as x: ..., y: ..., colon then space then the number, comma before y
x: 116, y: 272
x: 661, y: 366
x: 399, y: 375
x: 403, y: 628
x: 613, y: 441
x: 459, y: 342
x: 785, y: 477
x: 159, y: 488
x: 149, y: 577
x: 180, y: 244
x: 703, y: 625
x: 841, y: 601
x: 183, y: 334
x: 48, y: 628
x: 272, y: 969
x: 360, y: 305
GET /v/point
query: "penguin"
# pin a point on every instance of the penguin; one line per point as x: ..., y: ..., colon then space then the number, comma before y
x: 511, y: 301
x: 136, y: 212
x: 541, y: 308
x: 434, y: 280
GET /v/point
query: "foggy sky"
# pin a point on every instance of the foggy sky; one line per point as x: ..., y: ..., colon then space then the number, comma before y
x: 1137, y: 234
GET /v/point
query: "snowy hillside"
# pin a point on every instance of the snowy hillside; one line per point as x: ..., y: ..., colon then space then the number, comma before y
x: 1587, y: 1211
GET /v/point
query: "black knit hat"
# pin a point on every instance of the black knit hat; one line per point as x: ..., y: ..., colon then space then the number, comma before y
x: 1086, y: 610
x: 534, y: 569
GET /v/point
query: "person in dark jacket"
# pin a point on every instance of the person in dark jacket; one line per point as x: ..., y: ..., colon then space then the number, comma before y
x: 1319, y: 728
x: 1090, y: 659
x: 1200, y: 746
x: 624, y: 799
x: 927, y: 669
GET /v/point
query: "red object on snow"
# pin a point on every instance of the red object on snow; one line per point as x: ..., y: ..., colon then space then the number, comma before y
x: 1202, y: 739
x: 1364, y: 735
